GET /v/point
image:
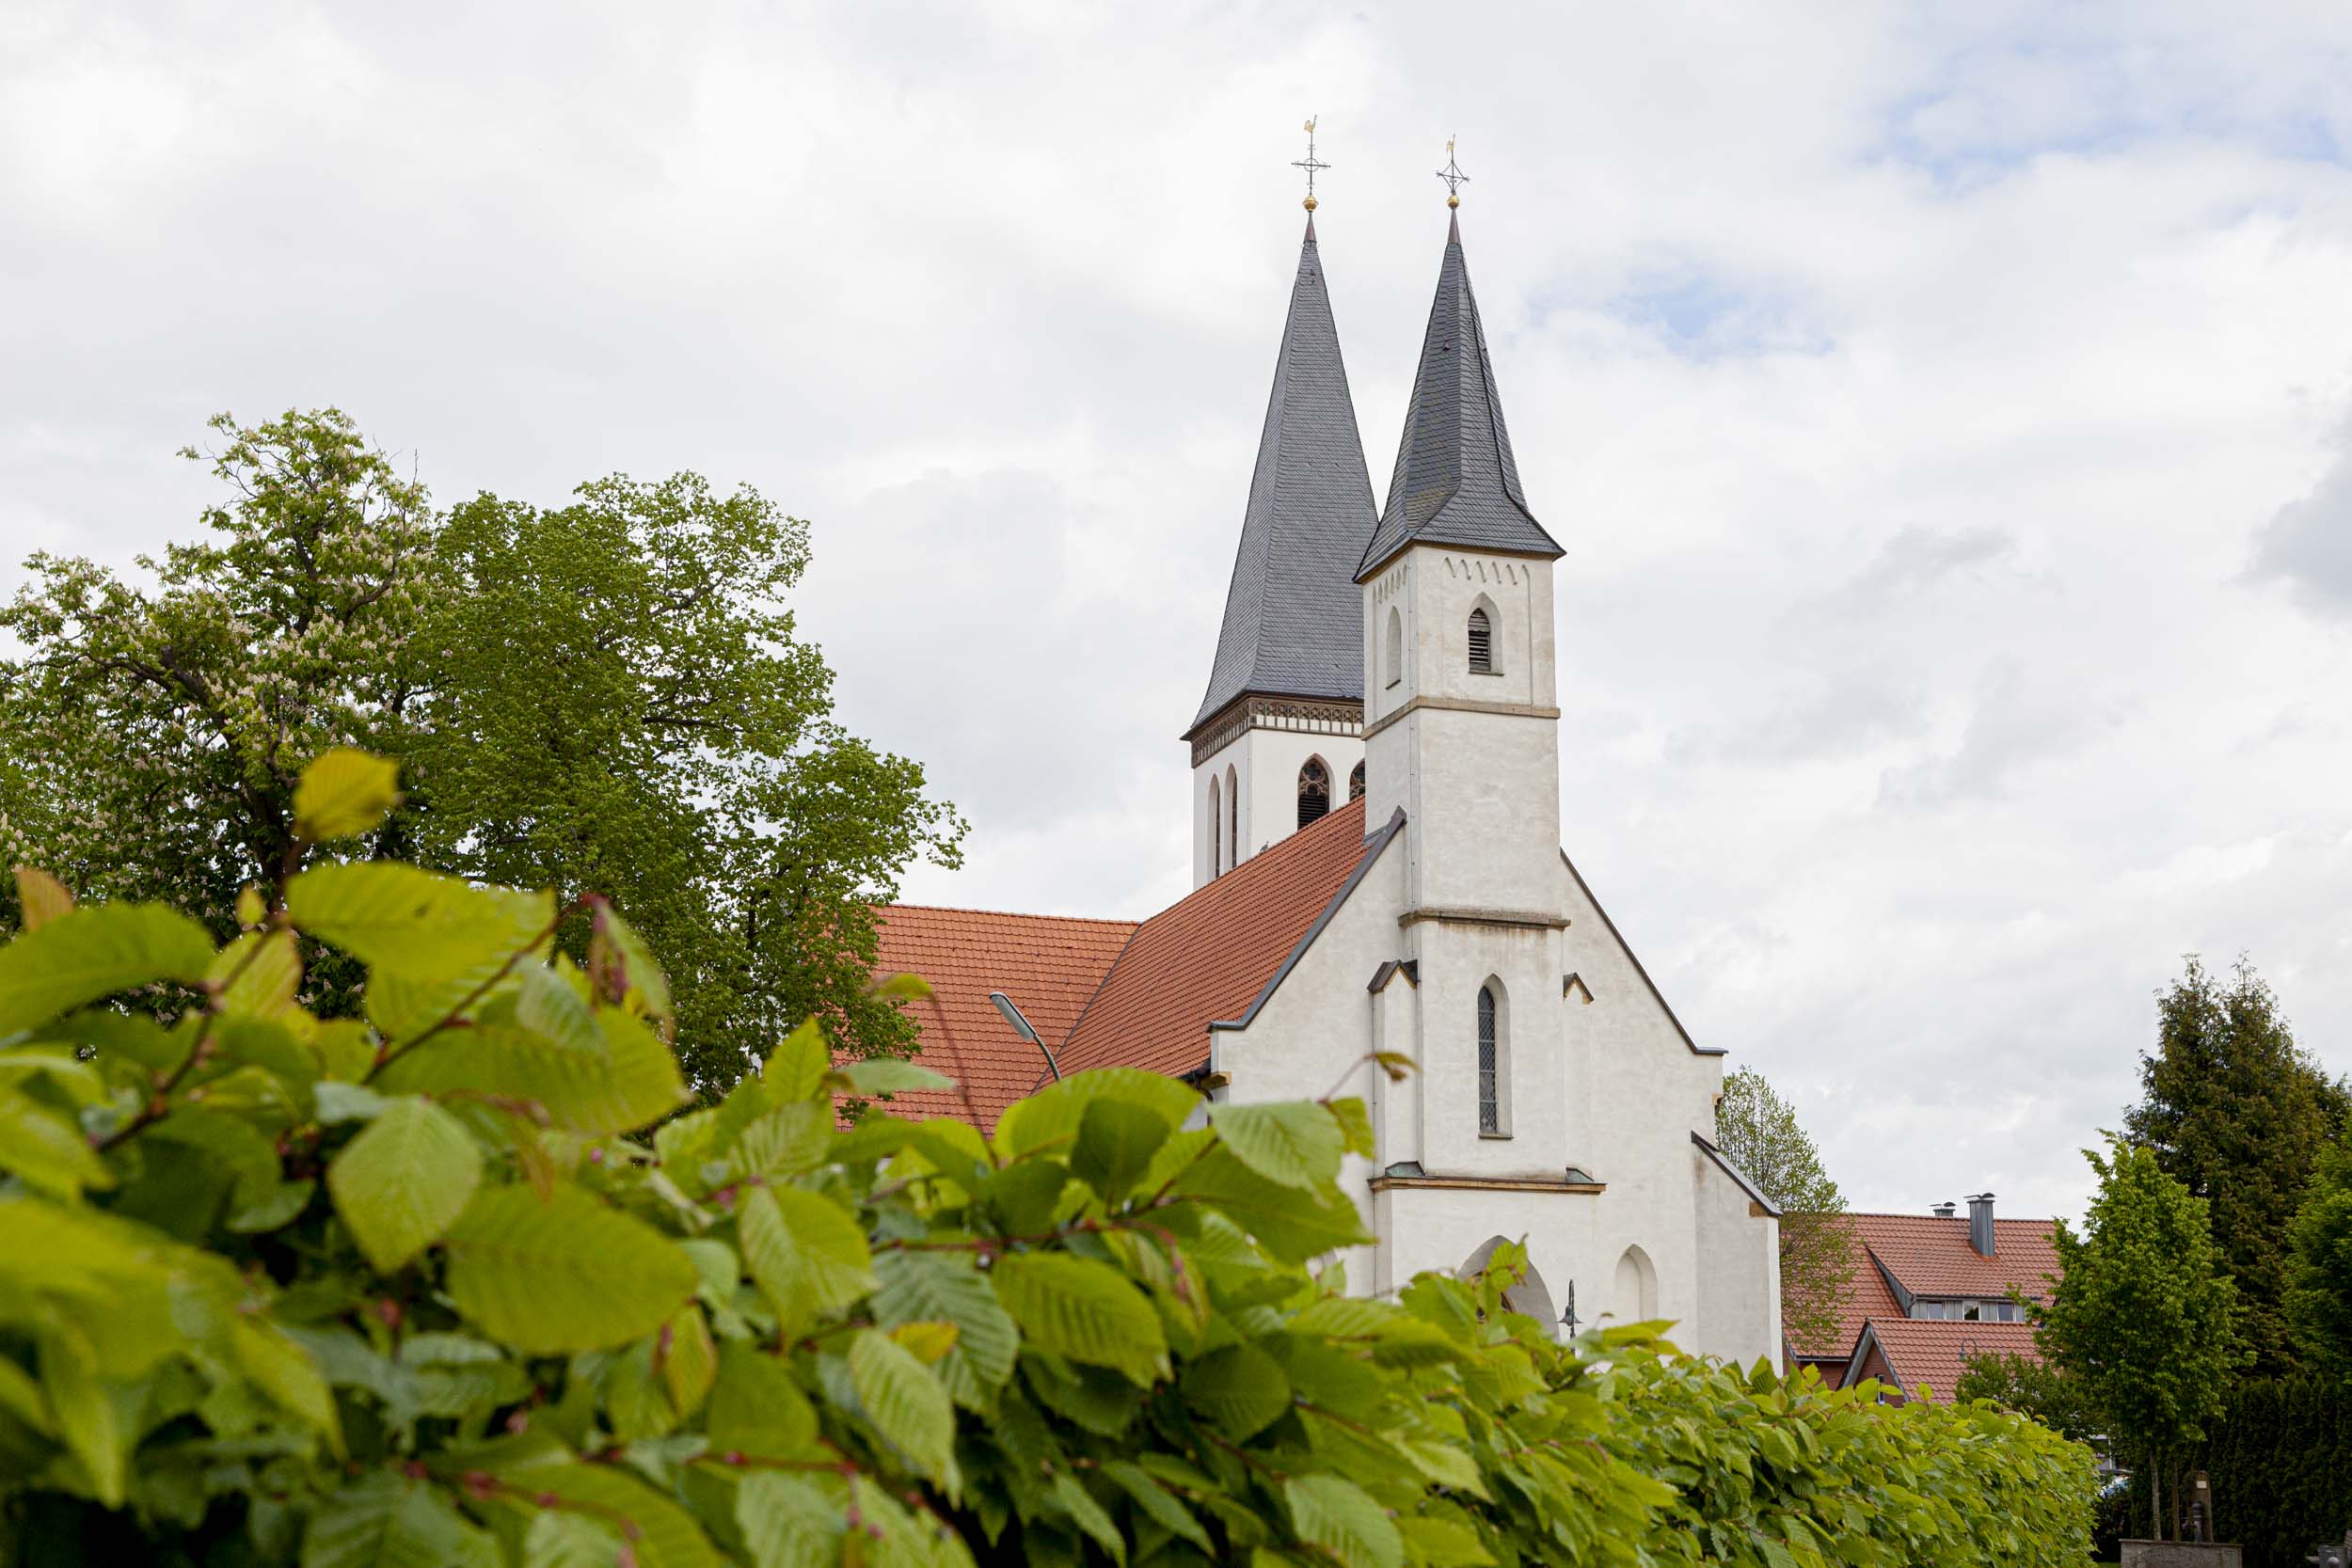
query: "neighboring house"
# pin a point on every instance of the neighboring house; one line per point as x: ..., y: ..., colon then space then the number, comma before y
x: 1377, y: 867
x: 1929, y: 1291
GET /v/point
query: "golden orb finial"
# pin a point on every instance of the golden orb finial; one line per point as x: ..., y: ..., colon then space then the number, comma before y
x: 1453, y: 176
x: 1312, y: 165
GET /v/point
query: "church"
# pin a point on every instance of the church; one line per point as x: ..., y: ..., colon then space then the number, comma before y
x: 1377, y: 867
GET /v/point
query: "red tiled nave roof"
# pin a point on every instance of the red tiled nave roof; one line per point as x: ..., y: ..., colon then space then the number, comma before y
x: 1048, y: 964
x: 1108, y: 993
x: 1205, y: 959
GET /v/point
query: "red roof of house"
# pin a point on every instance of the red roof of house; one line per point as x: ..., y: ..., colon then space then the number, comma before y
x: 1048, y: 964
x: 1930, y: 1255
x: 1206, y: 958
x: 1934, y: 1353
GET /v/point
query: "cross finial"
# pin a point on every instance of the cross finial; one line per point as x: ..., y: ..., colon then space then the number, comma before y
x: 1453, y: 176
x: 1310, y: 163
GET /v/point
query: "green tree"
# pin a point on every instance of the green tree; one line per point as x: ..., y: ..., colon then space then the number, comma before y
x: 1757, y: 1132
x: 610, y: 693
x: 2235, y: 1110
x: 2143, y: 1316
x: 2319, y: 1266
x: 2030, y: 1386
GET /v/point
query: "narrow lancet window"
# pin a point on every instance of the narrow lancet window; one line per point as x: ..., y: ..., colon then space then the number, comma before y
x: 1314, y: 792
x: 1481, y: 643
x: 1216, y: 830
x: 1356, y: 782
x: 1489, y: 1064
x: 1396, y: 645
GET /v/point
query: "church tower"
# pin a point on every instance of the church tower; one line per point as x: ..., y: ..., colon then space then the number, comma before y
x: 1461, y: 731
x: 1278, y: 741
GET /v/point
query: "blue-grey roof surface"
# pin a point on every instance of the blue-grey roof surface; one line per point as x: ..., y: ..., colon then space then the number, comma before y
x: 1455, y: 480
x: 1293, y: 615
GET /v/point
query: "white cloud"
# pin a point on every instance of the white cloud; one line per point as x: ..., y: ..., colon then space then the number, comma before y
x: 1912, y: 390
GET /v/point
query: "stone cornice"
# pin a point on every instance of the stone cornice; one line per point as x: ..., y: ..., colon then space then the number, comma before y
x: 1251, y: 711
x: 1460, y: 705
x: 1486, y: 1184
x: 1528, y: 920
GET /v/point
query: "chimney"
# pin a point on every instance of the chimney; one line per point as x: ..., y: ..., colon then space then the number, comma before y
x: 1980, y: 1223
x: 1942, y: 1211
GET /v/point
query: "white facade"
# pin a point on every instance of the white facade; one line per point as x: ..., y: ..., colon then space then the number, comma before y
x: 1593, y: 1157
x: 1245, y: 793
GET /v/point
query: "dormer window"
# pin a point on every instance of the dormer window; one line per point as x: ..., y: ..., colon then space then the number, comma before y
x: 1481, y: 643
x: 1314, y: 792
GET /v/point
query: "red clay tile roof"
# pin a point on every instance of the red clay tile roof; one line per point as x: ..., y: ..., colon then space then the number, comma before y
x: 1206, y: 960
x: 1935, y: 1352
x: 1931, y: 1257
x: 1048, y: 964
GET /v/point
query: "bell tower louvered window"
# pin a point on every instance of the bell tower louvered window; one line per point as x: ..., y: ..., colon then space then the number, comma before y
x: 1314, y: 792
x: 1356, y: 782
x: 1489, y: 1064
x: 1481, y: 643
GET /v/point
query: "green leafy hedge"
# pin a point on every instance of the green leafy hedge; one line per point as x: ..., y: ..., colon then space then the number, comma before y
x: 400, y: 1290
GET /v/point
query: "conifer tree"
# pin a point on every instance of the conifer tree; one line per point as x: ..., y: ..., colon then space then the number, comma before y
x: 2319, y: 1267
x: 2236, y: 1110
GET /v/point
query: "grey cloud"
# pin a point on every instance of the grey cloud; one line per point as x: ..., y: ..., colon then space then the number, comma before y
x: 1919, y: 557
x: 2307, y: 544
x: 2018, y: 718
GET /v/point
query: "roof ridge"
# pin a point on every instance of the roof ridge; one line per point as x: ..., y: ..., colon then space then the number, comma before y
x: 1017, y: 915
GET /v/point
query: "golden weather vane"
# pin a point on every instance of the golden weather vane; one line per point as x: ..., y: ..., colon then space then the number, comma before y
x: 1310, y: 163
x: 1453, y: 176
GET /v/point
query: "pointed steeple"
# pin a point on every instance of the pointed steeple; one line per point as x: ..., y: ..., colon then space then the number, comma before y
x: 1292, y: 614
x: 1455, y: 480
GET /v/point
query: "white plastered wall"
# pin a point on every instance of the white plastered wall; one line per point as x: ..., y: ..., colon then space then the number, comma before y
x: 1265, y: 763
x: 1738, y: 1268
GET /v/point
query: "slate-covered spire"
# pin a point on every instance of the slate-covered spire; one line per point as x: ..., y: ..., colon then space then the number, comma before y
x: 1293, y: 615
x: 1455, y: 480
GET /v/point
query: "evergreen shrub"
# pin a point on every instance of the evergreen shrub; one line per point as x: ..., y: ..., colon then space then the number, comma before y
x: 403, y: 1289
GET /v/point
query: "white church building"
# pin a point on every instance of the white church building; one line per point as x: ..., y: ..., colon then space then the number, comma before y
x: 1377, y: 867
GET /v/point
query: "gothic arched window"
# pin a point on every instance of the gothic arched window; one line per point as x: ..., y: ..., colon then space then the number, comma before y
x: 1396, y: 645
x: 1216, y: 830
x: 1232, y: 820
x: 1481, y: 643
x: 1491, y: 1062
x: 1314, y: 792
x: 1356, y: 782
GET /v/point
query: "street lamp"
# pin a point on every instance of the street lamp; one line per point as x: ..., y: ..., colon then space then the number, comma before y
x: 1021, y: 1026
x: 1567, y: 1319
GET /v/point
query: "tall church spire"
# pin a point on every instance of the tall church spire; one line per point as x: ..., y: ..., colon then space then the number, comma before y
x: 1455, y: 480
x: 1292, y: 625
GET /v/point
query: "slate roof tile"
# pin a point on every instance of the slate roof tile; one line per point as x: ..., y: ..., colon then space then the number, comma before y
x: 1292, y: 614
x: 1455, y: 480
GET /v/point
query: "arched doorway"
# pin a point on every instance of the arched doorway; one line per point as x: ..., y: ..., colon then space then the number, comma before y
x: 1634, y: 1297
x: 1530, y: 1295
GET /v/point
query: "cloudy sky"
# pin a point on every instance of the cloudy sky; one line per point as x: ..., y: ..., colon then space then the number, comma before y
x: 1947, y: 411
